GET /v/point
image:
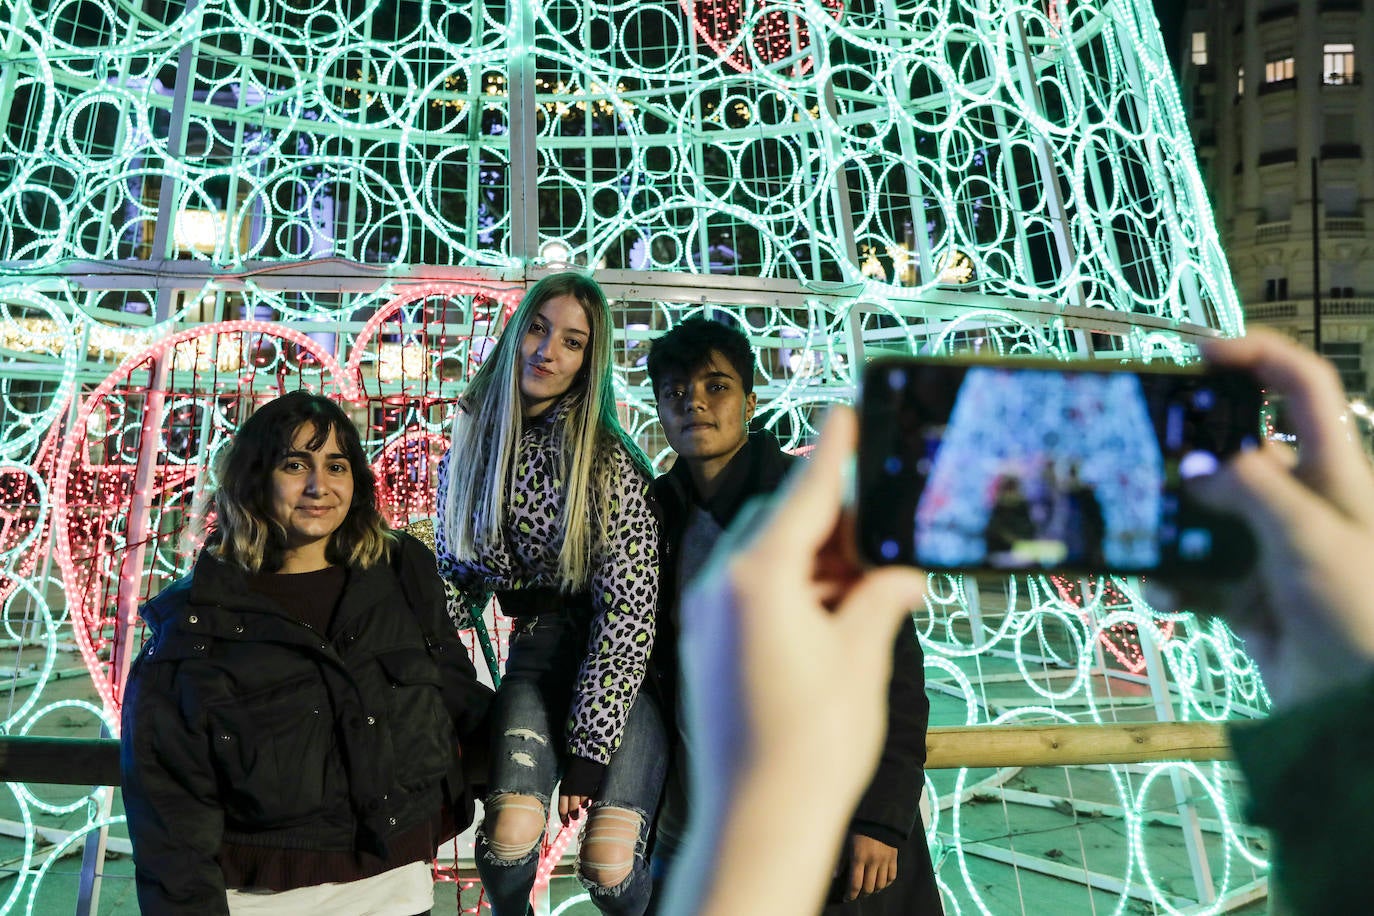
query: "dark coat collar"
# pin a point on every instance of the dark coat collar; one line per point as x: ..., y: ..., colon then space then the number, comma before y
x: 757, y: 468
x: 214, y: 584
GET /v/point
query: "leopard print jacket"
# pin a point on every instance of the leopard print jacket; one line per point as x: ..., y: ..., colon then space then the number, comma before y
x: 624, y: 581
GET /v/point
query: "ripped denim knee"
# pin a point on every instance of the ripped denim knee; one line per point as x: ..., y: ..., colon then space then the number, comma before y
x: 612, y: 841
x: 505, y: 850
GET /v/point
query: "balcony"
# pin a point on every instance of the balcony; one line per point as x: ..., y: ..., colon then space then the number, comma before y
x: 1340, y: 151
x: 1278, y: 86
x: 1271, y: 311
x: 1278, y: 156
x: 1344, y: 225
x: 1268, y: 233
x: 1347, y: 308
x: 1273, y: 14
x: 1342, y: 79
x: 1289, y: 308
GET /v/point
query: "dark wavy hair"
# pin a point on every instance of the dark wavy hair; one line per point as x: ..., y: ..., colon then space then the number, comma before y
x: 687, y: 347
x: 245, y: 533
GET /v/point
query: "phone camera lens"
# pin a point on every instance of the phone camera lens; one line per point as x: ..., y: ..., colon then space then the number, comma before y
x: 893, y: 465
x: 889, y: 549
x: 1197, y: 464
x: 1204, y: 399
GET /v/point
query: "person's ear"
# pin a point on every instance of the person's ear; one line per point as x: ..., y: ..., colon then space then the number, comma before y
x: 751, y: 401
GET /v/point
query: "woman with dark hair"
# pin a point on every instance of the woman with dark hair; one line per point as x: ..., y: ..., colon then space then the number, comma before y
x: 293, y: 726
x: 543, y: 500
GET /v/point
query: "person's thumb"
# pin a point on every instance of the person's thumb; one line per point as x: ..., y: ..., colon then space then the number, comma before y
x: 1259, y: 488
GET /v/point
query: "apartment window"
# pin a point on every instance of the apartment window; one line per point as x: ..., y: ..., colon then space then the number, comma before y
x: 1276, y: 289
x: 1278, y: 205
x: 1341, y: 200
x: 1338, y: 64
x: 1278, y: 69
x: 1200, y: 49
x: 1276, y: 134
x: 1341, y: 276
x: 1338, y: 128
x: 1240, y: 82
x: 1346, y: 358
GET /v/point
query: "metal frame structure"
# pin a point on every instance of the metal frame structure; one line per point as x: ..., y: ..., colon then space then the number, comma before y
x: 203, y: 203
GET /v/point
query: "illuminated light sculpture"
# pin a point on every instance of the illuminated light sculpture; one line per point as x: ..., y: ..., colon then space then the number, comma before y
x: 232, y: 198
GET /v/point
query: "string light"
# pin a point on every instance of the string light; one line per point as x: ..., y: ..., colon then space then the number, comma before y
x: 983, y: 187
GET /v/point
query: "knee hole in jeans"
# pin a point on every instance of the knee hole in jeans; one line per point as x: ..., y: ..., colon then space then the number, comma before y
x: 513, y: 825
x: 608, y: 846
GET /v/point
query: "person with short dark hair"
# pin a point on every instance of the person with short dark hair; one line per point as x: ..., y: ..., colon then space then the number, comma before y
x: 294, y: 724
x: 702, y: 373
x: 543, y: 500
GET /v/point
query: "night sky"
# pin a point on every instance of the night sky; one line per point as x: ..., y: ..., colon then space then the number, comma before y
x: 1170, y: 15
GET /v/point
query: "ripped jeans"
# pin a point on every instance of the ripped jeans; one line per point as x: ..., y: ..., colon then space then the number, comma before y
x: 528, y: 752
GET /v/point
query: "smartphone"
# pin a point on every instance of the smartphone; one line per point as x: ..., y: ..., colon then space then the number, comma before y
x: 1029, y: 465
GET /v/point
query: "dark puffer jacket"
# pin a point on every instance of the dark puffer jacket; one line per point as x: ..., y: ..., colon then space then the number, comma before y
x: 244, y: 726
x: 890, y: 809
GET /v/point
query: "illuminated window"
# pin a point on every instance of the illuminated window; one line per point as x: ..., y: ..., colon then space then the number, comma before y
x: 1240, y: 81
x: 1338, y: 64
x: 198, y: 230
x: 1278, y: 69
x: 1199, y: 49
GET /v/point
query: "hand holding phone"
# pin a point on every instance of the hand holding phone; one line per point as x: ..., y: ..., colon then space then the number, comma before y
x: 1020, y: 465
x: 1306, y: 612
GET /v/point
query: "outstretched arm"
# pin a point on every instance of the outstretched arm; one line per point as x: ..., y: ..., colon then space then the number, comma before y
x: 624, y: 595
x: 1306, y: 612
x: 1307, y: 617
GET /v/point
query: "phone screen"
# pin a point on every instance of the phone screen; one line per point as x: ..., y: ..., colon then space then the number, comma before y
x: 1030, y: 466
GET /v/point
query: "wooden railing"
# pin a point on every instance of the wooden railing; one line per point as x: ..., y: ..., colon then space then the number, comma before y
x: 95, y: 761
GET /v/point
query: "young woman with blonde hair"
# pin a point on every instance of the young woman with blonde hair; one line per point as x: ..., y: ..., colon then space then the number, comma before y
x: 543, y: 500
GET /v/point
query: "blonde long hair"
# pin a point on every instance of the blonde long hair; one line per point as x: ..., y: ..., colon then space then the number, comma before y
x: 489, y: 421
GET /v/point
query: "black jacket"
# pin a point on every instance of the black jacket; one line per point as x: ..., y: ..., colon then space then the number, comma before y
x: 243, y: 725
x: 890, y: 808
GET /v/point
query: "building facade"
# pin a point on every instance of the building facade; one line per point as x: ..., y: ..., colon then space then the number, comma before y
x: 1282, y: 113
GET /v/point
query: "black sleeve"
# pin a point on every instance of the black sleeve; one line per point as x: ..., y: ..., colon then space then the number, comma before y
x: 465, y: 697
x: 1310, y: 783
x: 891, y: 805
x: 171, y: 799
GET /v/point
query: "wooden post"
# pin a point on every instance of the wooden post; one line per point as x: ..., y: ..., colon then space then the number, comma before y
x: 95, y: 761
x: 1069, y: 745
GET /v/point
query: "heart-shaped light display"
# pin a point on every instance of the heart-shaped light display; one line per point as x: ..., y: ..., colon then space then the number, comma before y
x: 1123, y: 639
x: 777, y: 36
x: 127, y: 521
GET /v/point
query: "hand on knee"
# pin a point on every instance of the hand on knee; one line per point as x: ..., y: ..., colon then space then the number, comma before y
x: 513, y: 826
x: 608, y: 846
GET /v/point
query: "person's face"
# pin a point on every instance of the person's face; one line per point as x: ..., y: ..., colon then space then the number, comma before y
x: 552, y: 353
x: 311, y: 495
x: 706, y: 415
